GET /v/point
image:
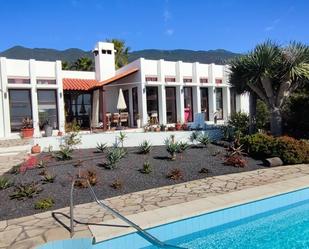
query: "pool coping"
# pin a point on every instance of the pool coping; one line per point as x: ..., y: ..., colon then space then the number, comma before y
x: 172, y: 213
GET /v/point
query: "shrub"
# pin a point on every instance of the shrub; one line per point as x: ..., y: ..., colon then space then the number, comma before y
x: 236, y: 161
x: 145, y: 147
x: 171, y: 147
x: 182, y: 147
x: 48, y: 177
x: 113, y: 156
x: 203, y: 139
x: 44, y: 204
x: 204, y: 171
x: 122, y: 137
x: 86, y: 176
x: 28, y: 190
x: 117, y: 184
x: 262, y: 115
x: 194, y: 136
x: 175, y: 174
x: 292, y: 151
x: 260, y: 145
x: 72, y: 139
x: 101, y: 147
x: 65, y: 153
x: 4, y: 182
x: 146, y: 168
x: 240, y: 122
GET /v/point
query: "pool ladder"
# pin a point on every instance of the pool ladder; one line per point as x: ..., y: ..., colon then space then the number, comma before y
x: 147, y: 236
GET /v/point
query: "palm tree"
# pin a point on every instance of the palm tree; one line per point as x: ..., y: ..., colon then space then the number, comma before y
x: 65, y: 65
x: 83, y: 64
x: 272, y: 72
x: 121, y: 55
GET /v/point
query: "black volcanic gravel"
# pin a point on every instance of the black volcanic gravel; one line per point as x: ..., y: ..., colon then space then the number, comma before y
x: 127, y: 172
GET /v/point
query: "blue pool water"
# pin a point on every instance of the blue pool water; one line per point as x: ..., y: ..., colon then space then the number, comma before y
x: 278, y: 222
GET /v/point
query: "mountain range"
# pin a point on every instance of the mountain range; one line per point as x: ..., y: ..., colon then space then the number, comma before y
x: 218, y: 56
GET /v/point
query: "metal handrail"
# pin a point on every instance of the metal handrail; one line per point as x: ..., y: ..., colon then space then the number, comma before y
x: 150, y: 238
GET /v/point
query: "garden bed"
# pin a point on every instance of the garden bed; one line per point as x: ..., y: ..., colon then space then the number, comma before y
x: 127, y: 173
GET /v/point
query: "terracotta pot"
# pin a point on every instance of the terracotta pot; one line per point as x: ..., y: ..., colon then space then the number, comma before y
x: 36, y: 149
x: 185, y: 127
x: 158, y: 129
x: 178, y: 127
x: 27, y: 132
x: 60, y: 133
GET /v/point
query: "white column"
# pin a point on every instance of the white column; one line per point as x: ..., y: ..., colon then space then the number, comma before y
x: 160, y: 71
x: 162, y: 104
x: 95, y: 108
x: 34, y: 99
x: 60, y: 98
x: 180, y: 104
x: 211, y: 75
x: 226, y: 103
x: 179, y: 73
x: 142, y: 104
x: 5, y: 124
x: 196, y: 99
x: 130, y: 107
x: 212, y: 102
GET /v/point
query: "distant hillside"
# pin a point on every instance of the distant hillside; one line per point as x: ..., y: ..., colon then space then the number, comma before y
x: 218, y: 56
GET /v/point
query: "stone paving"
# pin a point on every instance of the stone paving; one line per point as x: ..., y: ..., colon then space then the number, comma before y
x: 27, y: 232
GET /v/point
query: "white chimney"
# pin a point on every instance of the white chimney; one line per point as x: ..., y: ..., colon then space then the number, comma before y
x: 104, y: 58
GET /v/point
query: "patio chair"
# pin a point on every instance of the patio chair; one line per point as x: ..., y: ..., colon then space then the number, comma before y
x: 199, y: 121
x: 115, y: 119
x: 124, y: 118
x: 108, y: 117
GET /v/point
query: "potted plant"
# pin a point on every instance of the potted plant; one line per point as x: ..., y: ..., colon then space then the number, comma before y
x: 48, y: 129
x: 178, y: 126
x: 36, y: 149
x: 185, y: 127
x: 158, y: 129
x: 163, y: 127
x: 27, y: 130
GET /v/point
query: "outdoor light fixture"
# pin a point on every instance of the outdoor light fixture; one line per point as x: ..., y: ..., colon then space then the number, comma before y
x: 144, y: 89
x: 95, y: 52
x: 60, y: 95
x: 5, y: 95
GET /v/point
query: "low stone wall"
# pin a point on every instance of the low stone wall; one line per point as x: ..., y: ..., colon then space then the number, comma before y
x: 133, y: 138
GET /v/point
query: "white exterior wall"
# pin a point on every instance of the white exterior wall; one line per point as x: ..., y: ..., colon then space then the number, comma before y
x: 33, y: 70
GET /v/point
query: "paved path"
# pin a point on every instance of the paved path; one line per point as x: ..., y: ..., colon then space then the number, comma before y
x: 27, y: 232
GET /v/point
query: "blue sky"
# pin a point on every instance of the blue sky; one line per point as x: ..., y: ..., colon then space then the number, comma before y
x: 161, y: 24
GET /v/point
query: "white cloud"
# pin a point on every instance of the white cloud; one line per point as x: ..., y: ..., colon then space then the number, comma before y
x: 273, y: 25
x: 166, y: 15
x: 169, y: 32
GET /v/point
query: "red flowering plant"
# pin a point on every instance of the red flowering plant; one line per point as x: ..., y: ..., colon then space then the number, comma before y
x: 29, y: 163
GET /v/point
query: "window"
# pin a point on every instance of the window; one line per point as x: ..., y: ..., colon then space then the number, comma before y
x: 20, y: 107
x: 204, y: 102
x: 203, y: 80
x: 109, y: 51
x: 187, y: 80
x: 47, y: 104
x: 46, y: 81
x: 188, y: 101
x: 171, y: 114
x: 170, y: 79
x: 126, y: 99
x: 151, y: 78
x: 219, y: 103
x: 18, y: 81
x: 152, y: 103
x: 78, y: 108
x: 135, y: 105
x: 219, y: 81
x: 104, y: 51
x: 233, y: 100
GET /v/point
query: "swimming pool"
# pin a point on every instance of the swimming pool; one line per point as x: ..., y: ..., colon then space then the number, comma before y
x: 278, y: 222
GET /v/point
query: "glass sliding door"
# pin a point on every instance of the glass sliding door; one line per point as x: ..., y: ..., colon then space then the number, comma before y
x: 126, y: 99
x: 20, y: 107
x: 188, y: 102
x: 152, y: 98
x: 219, y: 103
x: 47, y: 105
x: 204, y: 102
x: 135, y: 105
x: 171, y: 111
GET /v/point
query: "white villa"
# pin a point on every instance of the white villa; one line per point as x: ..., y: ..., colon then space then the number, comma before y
x: 157, y: 91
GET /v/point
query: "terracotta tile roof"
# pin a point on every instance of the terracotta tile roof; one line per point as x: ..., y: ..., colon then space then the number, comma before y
x: 117, y: 77
x: 79, y: 84
x: 74, y: 84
